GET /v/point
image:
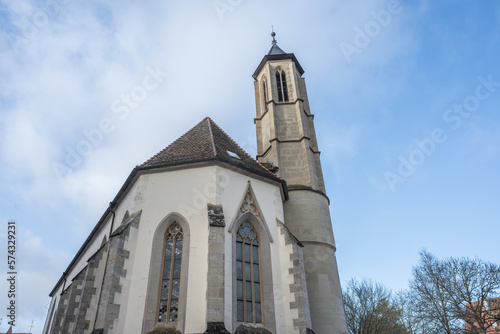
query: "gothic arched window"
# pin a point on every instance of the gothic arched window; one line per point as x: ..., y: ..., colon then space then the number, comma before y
x: 264, y: 94
x: 282, y: 88
x: 248, y: 285
x: 171, y: 275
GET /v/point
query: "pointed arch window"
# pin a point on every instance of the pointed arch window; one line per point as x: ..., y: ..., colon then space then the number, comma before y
x: 168, y: 305
x: 248, y: 274
x: 282, y: 87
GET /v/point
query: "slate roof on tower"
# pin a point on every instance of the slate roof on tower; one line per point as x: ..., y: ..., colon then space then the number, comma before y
x: 204, y: 142
x: 276, y: 50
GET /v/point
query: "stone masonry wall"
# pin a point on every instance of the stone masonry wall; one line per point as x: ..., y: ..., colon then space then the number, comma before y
x: 73, y: 302
x: 89, y: 297
x: 61, y: 311
x: 109, y: 310
x: 216, y: 261
x: 298, y: 288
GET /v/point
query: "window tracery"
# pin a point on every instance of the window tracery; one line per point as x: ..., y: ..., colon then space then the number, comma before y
x: 171, y: 273
x: 282, y: 86
x: 249, y: 204
x: 248, y: 274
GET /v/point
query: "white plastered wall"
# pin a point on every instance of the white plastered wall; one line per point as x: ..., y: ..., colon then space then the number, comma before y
x: 185, y: 192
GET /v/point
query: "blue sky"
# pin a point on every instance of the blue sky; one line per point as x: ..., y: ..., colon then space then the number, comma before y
x: 385, y: 80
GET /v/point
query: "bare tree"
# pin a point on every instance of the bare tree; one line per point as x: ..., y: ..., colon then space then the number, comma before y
x: 369, y: 309
x: 429, y: 292
x: 472, y: 286
x: 410, y: 316
x: 453, y: 292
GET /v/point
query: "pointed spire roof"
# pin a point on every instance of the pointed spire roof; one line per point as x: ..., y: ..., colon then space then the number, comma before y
x: 275, y: 49
x: 276, y: 53
x: 206, y: 141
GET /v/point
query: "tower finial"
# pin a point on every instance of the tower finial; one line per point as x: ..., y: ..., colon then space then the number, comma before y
x: 273, y: 34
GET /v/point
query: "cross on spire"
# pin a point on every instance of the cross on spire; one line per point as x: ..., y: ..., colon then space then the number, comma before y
x: 273, y: 34
x: 275, y: 49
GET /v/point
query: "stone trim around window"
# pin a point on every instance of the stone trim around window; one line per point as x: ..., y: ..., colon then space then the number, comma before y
x: 152, y: 294
x: 268, y: 307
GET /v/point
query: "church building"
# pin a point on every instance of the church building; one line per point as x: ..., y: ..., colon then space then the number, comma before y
x: 203, y: 238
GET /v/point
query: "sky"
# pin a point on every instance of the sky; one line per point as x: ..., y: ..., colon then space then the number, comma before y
x: 405, y: 94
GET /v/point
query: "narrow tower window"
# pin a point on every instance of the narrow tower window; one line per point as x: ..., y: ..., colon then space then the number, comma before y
x: 282, y: 88
x: 248, y: 288
x: 264, y: 94
x: 169, y: 289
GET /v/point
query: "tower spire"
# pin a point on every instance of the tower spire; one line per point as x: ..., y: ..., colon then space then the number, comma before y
x: 275, y: 49
x: 273, y: 34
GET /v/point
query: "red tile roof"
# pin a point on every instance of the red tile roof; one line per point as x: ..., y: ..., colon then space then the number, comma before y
x: 207, y: 141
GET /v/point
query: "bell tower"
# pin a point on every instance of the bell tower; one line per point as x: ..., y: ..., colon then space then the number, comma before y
x: 287, y: 145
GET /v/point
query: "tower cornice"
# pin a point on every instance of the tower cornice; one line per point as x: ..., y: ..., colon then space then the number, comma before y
x: 286, y: 56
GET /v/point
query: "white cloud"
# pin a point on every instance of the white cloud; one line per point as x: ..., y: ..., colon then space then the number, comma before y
x: 39, y: 267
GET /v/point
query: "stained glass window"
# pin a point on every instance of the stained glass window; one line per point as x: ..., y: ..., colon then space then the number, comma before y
x: 169, y: 288
x: 282, y: 87
x: 248, y: 291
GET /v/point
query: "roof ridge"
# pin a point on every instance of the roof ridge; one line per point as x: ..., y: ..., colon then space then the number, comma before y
x: 238, y: 145
x: 175, y: 141
x: 212, y: 140
x: 232, y: 140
